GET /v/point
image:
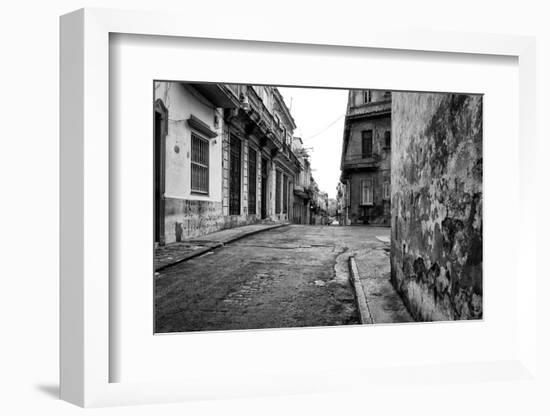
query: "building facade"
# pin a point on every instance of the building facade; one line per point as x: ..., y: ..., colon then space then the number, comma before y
x: 223, y: 158
x: 364, y: 193
x: 302, y: 186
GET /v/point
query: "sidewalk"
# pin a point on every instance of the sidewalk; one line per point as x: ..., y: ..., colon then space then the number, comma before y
x: 173, y: 253
x: 383, y: 304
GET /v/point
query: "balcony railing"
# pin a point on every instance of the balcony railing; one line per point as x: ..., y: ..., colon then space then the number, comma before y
x: 265, y: 118
x: 360, y: 162
x: 376, y: 107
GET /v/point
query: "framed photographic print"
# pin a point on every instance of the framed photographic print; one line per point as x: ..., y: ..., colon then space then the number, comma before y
x: 239, y: 210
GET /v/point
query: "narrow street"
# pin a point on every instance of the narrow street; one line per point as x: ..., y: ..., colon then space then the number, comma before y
x: 293, y: 276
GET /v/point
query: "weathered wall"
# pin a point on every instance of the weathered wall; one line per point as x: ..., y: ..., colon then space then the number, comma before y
x: 436, y: 254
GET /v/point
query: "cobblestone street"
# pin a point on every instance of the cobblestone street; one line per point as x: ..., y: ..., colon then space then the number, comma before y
x: 293, y: 276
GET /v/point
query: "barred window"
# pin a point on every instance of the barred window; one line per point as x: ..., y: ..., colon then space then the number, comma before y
x: 200, y: 149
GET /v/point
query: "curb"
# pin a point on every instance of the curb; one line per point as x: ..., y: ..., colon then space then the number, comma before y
x: 216, y: 245
x: 364, y: 311
x: 271, y: 227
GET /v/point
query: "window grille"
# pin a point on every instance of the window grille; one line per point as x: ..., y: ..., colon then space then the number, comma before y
x: 200, y: 149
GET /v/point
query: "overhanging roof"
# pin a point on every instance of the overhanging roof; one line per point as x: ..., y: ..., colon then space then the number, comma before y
x: 218, y: 95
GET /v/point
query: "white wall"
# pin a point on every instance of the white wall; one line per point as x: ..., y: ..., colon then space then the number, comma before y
x: 182, y: 101
x: 29, y: 213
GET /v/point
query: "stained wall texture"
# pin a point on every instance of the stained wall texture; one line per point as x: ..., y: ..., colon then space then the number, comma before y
x: 436, y: 194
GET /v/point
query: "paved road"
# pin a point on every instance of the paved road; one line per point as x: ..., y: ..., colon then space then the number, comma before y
x: 293, y: 276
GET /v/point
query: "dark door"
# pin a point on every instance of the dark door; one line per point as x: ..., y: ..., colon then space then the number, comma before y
x: 252, y: 175
x: 234, y: 176
x: 160, y: 118
x: 264, y: 189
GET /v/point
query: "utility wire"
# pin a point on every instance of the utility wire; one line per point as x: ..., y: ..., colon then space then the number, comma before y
x: 326, y: 128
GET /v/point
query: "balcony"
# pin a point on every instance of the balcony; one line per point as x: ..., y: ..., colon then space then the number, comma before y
x: 264, y: 124
x: 376, y: 108
x: 359, y: 162
x: 218, y: 94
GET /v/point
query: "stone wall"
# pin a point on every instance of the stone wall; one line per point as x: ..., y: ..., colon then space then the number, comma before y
x: 436, y: 254
x: 187, y: 219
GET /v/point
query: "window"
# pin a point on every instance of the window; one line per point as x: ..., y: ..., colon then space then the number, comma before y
x: 234, y: 176
x: 200, y: 149
x: 285, y: 194
x: 252, y: 169
x: 278, y: 192
x: 387, y: 138
x: 366, y: 97
x: 366, y: 192
x: 366, y: 148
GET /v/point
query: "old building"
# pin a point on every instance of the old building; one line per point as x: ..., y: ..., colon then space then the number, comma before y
x: 318, y: 205
x: 223, y: 158
x: 302, y: 185
x: 436, y: 248
x: 366, y: 159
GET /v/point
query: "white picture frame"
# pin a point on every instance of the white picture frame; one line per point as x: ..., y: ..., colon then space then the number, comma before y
x: 85, y: 266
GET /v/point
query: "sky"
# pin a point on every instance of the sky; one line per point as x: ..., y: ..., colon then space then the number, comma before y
x: 319, y: 116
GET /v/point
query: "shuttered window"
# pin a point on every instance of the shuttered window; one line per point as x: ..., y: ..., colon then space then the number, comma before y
x: 366, y: 192
x: 366, y: 137
x: 200, y: 152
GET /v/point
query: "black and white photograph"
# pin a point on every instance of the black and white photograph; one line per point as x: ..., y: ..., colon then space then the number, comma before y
x: 264, y: 209
x: 282, y: 207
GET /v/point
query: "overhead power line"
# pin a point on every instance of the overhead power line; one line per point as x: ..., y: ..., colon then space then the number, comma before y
x: 326, y: 128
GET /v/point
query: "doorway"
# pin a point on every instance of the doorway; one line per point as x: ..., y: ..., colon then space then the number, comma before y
x: 234, y: 176
x: 160, y: 130
x: 264, y: 189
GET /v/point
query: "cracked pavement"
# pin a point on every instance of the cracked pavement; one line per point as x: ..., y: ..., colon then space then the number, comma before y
x: 294, y: 276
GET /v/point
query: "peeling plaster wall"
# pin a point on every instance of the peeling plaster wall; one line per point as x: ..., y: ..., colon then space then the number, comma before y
x: 436, y: 194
